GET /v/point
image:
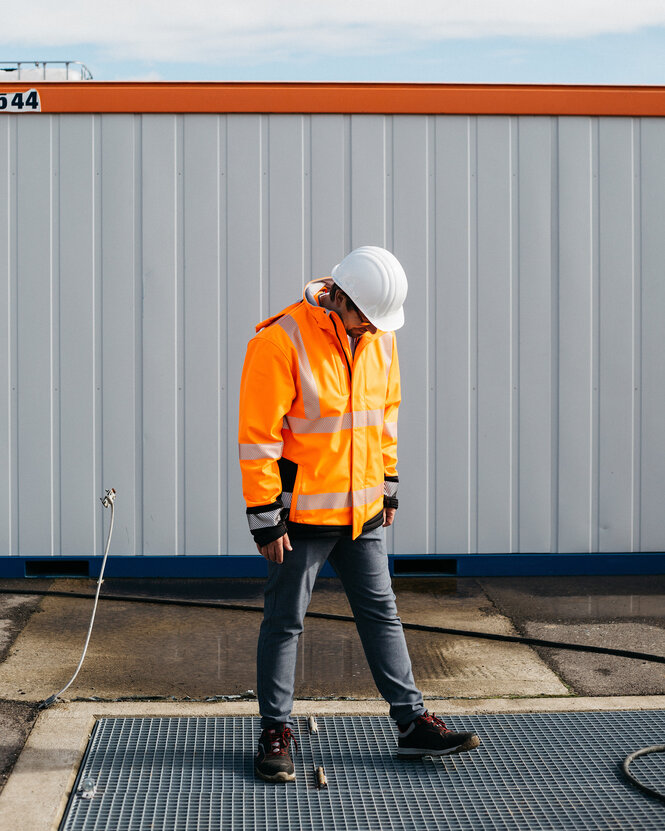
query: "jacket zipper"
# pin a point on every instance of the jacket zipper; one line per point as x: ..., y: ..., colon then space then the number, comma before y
x: 348, y: 365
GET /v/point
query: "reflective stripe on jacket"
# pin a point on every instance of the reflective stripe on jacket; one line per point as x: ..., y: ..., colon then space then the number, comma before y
x: 318, y: 425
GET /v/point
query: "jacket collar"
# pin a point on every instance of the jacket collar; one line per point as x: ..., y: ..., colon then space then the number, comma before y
x: 309, y: 299
x: 310, y: 296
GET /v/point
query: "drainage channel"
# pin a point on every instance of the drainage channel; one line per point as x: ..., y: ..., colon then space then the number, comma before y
x: 553, y: 771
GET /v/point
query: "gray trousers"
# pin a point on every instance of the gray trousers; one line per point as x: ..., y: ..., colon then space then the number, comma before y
x: 362, y: 566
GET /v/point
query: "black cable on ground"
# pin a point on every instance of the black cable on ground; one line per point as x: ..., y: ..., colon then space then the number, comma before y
x: 418, y: 627
x: 656, y: 748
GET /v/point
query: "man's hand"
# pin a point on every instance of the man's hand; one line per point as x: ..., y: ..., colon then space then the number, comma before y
x: 274, y: 551
x: 388, y: 516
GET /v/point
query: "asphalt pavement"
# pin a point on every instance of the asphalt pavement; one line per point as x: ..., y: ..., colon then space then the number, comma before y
x: 193, y: 656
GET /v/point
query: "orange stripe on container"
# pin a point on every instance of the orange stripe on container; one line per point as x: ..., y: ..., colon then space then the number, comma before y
x: 241, y: 97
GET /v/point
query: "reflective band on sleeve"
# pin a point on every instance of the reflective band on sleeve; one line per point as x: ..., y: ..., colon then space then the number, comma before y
x: 390, y: 488
x: 386, y: 343
x: 310, y: 393
x: 250, y: 452
x: 390, y: 429
x: 268, y: 519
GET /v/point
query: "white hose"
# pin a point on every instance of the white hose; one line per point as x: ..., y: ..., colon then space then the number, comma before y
x: 107, y: 500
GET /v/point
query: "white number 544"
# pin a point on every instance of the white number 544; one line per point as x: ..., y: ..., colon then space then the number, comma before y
x: 20, y: 102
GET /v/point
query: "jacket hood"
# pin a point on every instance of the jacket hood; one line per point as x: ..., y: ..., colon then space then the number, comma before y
x: 311, y: 290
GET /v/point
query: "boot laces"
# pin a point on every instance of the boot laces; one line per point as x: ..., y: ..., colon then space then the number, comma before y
x: 279, y: 741
x: 430, y: 718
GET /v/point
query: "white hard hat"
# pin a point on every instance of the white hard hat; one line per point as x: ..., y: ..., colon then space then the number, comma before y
x: 374, y: 279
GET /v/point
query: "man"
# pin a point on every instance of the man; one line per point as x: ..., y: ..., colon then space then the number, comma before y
x: 318, y: 436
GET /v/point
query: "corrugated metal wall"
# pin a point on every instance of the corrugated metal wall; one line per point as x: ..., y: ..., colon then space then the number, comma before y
x: 138, y: 252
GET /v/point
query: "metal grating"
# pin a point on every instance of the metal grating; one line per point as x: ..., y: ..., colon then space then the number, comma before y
x: 532, y: 771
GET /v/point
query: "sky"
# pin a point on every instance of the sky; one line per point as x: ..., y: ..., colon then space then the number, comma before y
x: 424, y: 41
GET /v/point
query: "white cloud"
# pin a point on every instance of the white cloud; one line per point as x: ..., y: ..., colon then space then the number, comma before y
x: 203, y: 30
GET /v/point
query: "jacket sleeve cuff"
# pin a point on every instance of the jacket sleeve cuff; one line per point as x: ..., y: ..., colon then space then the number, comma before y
x: 266, y: 523
x: 390, y: 485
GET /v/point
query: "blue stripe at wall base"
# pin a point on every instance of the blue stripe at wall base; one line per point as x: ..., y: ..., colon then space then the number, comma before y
x: 430, y: 565
x: 527, y: 565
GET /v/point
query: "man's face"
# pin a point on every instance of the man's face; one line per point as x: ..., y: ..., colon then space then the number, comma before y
x: 355, y: 322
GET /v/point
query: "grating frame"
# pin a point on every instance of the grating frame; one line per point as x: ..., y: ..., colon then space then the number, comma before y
x: 535, y: 771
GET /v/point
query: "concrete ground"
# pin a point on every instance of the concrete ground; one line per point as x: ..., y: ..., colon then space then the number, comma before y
x: 173, y: 656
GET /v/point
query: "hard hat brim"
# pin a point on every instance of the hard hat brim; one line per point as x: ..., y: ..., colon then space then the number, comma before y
x: 387, y: 323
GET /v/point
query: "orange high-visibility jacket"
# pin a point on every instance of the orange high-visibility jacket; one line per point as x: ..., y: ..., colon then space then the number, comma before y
x: 318, y: 425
